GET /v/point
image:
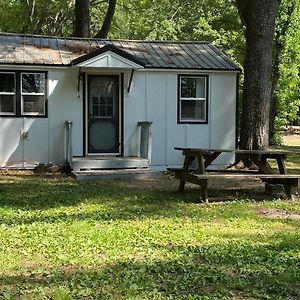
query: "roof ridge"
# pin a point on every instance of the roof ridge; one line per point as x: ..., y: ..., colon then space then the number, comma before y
x: 97, y: 39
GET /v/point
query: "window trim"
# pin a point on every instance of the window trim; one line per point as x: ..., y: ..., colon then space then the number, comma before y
x: 32, y: 94
x: 10, y: 94
x: 18, y: 103
x: 179, y: 98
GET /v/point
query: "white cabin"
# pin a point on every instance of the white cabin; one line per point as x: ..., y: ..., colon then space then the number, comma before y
x: 105, y: 104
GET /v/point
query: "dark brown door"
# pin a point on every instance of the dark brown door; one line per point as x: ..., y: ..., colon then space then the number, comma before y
x: 103, y: 114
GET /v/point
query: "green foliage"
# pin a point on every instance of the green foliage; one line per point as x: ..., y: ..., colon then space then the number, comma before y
x: 219, y: 22
x: 53, y: 17
x: 288, y: 91
x: 214, y: 20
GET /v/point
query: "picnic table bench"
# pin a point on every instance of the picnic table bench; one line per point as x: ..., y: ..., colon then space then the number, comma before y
x: 205, y: 157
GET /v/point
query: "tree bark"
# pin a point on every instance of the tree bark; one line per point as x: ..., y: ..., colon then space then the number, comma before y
x: 102, y: 34
x: 258, y: 17
x: 82, y: 18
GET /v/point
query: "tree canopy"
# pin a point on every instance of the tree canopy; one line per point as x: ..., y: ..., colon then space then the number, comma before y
x: 214, y: 20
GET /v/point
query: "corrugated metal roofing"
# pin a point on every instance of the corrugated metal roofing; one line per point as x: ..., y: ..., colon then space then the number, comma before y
x: 41, y: 50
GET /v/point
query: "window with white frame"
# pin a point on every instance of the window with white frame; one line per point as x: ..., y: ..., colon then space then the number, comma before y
x: 23, y: 94
x: 192, y: 99
x: 7, y: 93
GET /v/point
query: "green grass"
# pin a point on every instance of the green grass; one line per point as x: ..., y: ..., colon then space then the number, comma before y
x: 65, y: 239
x: 293, y: 159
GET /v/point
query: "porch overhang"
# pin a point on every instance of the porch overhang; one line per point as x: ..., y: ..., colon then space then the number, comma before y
x: 110, y: 57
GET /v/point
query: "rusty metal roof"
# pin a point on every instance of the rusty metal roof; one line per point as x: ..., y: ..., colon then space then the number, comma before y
x: 54, y: 51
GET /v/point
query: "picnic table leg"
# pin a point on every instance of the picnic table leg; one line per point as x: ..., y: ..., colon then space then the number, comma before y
x: 281, y: 165
x: 181, y: 186
x: 212, y: 157
x: 282, y: 170
x: 204, y: 192
x: 187, y: 161
x: 201, y: 165
x: 268, y: 186
x: 288, y: 191
x: 203, y: 184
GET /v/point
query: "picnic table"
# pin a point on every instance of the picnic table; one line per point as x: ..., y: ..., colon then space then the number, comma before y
x: 205, y: 157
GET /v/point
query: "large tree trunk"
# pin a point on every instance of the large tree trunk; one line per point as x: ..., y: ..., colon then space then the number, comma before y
x: 102, y: 34
x: 258, y: 17
x: 82, y: 18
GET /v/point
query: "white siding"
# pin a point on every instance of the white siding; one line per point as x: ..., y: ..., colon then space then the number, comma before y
x: 11, y: 144
x: 155, y: 94
x: 45, y: 140
x: 36, y: 145
x: 179, y: 138
x: 223, y: 114
x: 63, y: 105
x: 134, y: 111
x: 153, y: 97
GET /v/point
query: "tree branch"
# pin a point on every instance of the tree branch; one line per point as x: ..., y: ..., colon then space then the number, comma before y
x: 242, y: 8
x: 102, y: 34
x: 95, y: 2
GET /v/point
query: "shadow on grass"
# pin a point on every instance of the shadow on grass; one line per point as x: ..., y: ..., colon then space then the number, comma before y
x: 236, y: 269
x: 35, y: 198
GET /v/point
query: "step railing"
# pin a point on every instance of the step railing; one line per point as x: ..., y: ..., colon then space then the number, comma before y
x: 68, y: 144
x: 145, y: 139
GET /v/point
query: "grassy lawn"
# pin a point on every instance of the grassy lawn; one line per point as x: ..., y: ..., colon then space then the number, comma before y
x: 66, y: 239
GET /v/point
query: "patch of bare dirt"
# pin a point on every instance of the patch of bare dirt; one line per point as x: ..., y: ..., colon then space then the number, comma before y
x: 31, y: 173
x: 167, y: 181
x: 278, y: 214
x: 292, y: 136
x: 218, y: 190
x: 293, y: 139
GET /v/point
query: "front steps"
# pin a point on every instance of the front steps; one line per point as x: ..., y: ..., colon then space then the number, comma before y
x: 128, y: 174
x: 92, y: 163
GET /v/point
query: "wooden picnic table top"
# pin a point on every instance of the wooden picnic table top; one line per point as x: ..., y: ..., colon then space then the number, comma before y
x: 238, y: 151
x: 205, y: 157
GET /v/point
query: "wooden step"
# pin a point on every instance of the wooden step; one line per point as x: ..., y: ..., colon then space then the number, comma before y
x: 108, y: 163
x: 128, y: 174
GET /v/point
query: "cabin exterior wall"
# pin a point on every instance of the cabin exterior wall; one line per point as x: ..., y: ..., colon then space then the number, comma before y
x: 152, y: 97
x: 45, y: 140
